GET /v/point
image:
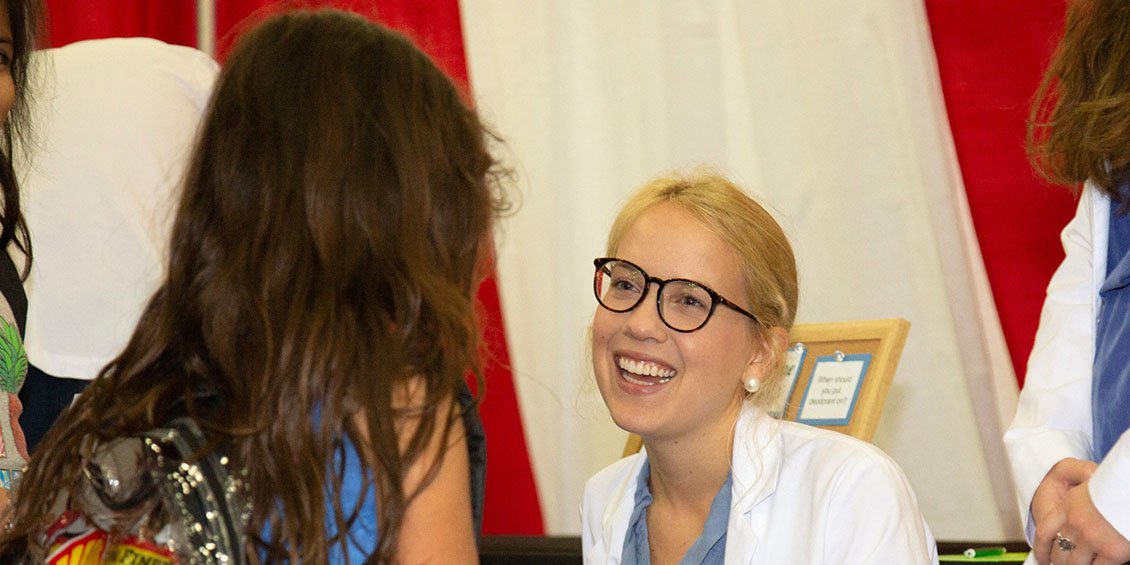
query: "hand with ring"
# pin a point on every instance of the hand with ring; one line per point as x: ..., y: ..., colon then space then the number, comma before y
x: 1047, y: 513
x: 1080, y: 534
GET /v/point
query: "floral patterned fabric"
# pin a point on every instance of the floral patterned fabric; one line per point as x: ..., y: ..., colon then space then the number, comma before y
x: 13, y: 371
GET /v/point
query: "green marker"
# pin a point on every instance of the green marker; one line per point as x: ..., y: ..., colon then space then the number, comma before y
x: 984, y: 552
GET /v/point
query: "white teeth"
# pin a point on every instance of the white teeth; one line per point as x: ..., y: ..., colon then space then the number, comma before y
x: 628, y: 377
x: 644, y: 369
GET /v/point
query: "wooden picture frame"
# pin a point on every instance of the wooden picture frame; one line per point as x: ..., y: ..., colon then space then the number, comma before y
x: 880, y: 342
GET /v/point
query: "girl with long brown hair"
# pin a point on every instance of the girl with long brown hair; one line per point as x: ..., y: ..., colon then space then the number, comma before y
x: 317, y: 318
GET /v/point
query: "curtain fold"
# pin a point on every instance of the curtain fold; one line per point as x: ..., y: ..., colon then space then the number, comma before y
x: 991, y: 56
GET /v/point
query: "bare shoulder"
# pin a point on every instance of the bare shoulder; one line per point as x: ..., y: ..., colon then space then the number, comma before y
x: 438, y: 525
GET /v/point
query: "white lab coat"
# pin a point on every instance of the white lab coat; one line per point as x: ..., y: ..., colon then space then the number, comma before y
x: 800, y: 495
x: 1053, y: 419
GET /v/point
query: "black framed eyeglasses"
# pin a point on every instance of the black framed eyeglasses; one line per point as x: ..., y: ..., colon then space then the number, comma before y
x: 684, y: 305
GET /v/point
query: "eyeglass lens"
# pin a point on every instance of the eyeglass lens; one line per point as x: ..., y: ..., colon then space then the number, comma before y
x: 683, y: 305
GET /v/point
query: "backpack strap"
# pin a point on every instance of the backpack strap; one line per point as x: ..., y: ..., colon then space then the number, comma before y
x: 202, y: 495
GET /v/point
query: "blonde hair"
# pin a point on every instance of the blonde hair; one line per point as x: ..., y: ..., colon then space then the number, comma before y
x: 757, y: 241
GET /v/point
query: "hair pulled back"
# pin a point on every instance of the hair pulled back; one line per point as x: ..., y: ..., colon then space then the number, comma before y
x: 762, y: 251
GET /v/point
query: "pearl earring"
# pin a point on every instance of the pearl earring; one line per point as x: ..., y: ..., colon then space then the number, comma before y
x: 752, y: 385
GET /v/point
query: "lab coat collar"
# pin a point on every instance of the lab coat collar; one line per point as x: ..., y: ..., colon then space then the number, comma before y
x: 1100, y: 236
x: 756, y: 466
x: 614, y: 521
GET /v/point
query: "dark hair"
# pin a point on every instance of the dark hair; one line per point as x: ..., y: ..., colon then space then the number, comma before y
x: 25, y: 17
x: 1079, y: 127
x: 324, y: 255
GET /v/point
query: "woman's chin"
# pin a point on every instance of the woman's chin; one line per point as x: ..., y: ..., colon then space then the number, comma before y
x: 634, y: 421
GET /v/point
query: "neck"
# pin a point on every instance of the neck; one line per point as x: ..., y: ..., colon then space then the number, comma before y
x: 687, y: 472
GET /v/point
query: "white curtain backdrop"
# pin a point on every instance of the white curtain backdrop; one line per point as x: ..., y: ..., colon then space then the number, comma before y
x: 829, y: 112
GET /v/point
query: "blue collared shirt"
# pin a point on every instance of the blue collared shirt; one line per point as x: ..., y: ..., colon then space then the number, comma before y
x: 1110, y: 389
x: 708, y: 549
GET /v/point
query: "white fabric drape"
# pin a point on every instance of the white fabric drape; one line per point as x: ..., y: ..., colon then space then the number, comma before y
x: 831, y: 113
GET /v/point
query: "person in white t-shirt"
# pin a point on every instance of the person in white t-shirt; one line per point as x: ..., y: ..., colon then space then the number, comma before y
x: 114, y: 121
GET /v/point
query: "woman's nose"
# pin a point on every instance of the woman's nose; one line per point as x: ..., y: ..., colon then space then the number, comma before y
x: 644, y: 321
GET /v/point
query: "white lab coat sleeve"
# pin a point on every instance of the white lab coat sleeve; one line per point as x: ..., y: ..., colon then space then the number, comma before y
x: 1108, y: 486
x: 1053, y: 418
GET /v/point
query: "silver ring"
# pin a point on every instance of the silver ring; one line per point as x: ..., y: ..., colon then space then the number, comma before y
x: 1064, y: 543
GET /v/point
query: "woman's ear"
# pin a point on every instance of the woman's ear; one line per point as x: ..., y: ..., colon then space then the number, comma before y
x: 767, y: 358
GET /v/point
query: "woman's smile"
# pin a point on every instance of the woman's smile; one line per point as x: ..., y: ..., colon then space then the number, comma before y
x: 644, y: 372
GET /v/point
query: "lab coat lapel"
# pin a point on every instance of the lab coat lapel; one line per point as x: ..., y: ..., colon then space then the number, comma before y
x: 615, y: 519
x: 1100, y: 234
x: 755, y: 466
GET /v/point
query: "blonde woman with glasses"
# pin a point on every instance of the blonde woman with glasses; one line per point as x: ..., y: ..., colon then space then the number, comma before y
x: 695, y: 301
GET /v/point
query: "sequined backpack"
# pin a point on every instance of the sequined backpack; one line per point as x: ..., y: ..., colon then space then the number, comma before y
x: 160, y: 498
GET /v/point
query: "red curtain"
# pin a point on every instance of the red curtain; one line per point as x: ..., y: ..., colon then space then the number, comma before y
x: 512, y: 505
x: 991, y: 56
x: 171, y: 21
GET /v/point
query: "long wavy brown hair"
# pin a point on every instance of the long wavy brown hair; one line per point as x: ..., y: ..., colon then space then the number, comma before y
x: 324, y: 253
x: 1079, y: 128
x: 26, y: 20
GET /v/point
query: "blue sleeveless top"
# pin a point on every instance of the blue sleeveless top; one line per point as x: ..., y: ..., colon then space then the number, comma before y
x: 362, y: 534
